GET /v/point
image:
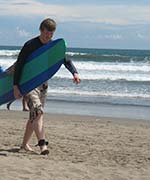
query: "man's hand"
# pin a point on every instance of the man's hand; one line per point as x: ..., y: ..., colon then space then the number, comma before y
x: 76, y: 78
x: 17, y: 93
x: 11, y: 70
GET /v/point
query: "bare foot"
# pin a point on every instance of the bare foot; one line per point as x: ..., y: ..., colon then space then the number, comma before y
x: 25, y: 109
x: 44, y: 150
x: 26, y: 148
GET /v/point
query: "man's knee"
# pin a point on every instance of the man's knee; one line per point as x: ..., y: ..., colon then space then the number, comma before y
x: 36, y: 113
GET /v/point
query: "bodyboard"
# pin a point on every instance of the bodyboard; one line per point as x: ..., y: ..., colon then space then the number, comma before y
x: 40, y: 66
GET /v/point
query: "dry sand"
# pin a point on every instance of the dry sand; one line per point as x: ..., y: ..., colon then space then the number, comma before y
x: 81, y: 148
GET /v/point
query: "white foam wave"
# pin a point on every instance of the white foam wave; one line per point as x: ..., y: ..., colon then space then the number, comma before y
x: 60, y: 91
x: 105, y: 75
x: 75, y: 53
x: 9, y: 53
x: 114, y: 55
x: 100, y: 71
x: 123, y: 67
x: 97, y: 66
x: 5, y: 63
x: 116, y: 77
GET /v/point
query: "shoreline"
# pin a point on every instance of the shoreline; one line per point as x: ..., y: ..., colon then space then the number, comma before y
x: 81, y: 147
x: 132, y: 112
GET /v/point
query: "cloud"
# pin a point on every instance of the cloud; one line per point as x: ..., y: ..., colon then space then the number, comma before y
x: 113, y: 36
x: 22, y: 32
x: 140, y: 36
x: 143, y: 36
x: 108, y: 14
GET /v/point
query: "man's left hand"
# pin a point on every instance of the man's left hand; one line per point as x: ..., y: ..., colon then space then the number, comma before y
x: 76, y: 78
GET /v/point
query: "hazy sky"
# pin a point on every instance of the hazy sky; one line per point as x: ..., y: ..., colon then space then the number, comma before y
x: 86, y: 23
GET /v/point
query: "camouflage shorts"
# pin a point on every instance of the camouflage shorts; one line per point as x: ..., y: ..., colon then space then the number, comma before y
x: 36, y: 100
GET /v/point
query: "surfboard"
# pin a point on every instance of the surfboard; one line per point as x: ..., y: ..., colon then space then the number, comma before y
x: 40, y: 66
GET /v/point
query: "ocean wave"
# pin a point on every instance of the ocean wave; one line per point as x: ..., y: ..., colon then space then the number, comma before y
x: 76, y: 54
x: 9, y: 53
x: 116, y: 67
x: 100, y: 58
x: 107, y: 55
x: 61, y: 91
x: 5, y: 63
x: 92, y: 55
x: 107, y: 76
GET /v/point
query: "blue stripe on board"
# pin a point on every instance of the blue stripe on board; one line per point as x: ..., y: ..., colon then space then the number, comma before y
x: 2, y: 74
x: 35, y: 82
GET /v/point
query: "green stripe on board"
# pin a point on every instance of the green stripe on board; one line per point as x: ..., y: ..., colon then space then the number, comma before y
x: 35, y: 66
x: 5, y: 87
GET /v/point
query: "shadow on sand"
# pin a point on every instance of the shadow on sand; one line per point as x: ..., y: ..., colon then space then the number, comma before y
x: 12, y: 150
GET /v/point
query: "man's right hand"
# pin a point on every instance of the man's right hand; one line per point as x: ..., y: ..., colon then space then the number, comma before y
x: 17, y: 93
x: 11, y: 70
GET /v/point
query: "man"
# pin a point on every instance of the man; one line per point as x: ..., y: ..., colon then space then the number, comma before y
x: 36, y: 98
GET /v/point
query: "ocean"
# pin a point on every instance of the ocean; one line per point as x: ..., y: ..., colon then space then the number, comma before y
x: 109, y: 77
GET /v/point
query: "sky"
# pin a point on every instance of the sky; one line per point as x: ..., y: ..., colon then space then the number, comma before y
x: 121, y: 24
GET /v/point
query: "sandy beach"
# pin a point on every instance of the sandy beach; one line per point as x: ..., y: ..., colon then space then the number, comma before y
x: 81, y: 148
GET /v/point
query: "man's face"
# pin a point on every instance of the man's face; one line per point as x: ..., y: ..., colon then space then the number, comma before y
x: 46, y: 35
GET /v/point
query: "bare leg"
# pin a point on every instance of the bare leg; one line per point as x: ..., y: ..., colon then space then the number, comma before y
x: 39, y: 131
x: 27, y: 135
x: 36, y: 115
x: 24, y: 104
x: 37, y: 126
